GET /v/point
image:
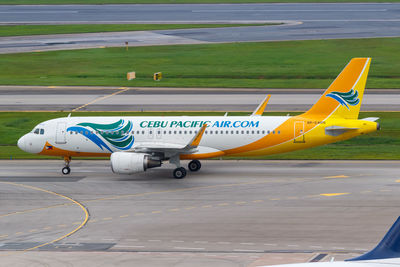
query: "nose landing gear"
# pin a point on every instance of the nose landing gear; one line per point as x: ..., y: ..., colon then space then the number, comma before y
x: 66, y: 170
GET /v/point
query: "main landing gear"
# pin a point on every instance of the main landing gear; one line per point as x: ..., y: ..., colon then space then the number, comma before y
x: 66, y: 170
x: 194, y: 165
x: 180, y: 172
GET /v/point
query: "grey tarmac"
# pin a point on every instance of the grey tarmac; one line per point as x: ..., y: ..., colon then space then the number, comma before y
x: 302, y: 21
x: 230, y: 213
x: 72, y: 98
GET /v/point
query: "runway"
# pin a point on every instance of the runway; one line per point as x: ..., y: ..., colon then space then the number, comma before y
x: 305, y: 21
x: 73, y: 98
x: 231, y: 213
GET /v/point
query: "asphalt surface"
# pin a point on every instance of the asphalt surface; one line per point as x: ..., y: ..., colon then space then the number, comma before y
x: 308, y: 21
x: 230, y: 213
x: 36, y: 98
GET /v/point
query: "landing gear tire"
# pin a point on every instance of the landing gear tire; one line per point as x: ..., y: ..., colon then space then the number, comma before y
x: 194, y: 165
x: 179, y: 173
x: 66, y: 170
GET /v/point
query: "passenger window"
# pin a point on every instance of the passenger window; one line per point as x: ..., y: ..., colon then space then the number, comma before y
x: 258, y: 132
x: 169, y: 132
x: 36, y: 131
x: 180, y: 132
x: 41, y: 131
x: 184, y: 132
x: 232, y: 132
x: 242, y: 132
x: 210, y: 132
x: 268, y: 132
x: 279, y: 132
x: 142, y: 132
x: 273, y: 132
x: 247, y: 132
x: 252, y: 132
x: 70, y: 132
x: 263, y: 132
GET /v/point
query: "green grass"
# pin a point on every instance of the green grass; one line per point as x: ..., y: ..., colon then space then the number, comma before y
x: 18, y: 30
x: 87, y: 2
x: 294, y: 64
x: 384, y: 144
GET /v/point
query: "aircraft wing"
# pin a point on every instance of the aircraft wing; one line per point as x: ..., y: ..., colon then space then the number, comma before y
x: 172, y: 147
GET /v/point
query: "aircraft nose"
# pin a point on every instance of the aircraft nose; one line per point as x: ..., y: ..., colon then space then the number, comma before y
x: 21, y: 143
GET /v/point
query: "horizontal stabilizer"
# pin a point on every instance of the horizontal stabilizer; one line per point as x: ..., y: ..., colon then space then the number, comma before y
x: 370, y: 119
x: 389, y: 247
x: 337, y: 130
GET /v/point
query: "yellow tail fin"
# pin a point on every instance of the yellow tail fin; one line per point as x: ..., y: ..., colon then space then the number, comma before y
x: 344, y: 96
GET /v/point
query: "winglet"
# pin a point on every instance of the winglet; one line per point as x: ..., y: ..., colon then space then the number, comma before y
x: 260, y: 109
x: 197, y: 138
x: 389, y: 247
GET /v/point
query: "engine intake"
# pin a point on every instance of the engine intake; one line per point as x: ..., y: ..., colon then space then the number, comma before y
x: 130, y: 162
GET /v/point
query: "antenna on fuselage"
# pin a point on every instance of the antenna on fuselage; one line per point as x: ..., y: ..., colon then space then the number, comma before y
x: 69, y: 115
x: 226, y: 114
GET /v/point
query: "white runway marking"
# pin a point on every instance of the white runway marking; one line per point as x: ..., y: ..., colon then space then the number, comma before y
x: 188, y: 248
x: 126, y: 246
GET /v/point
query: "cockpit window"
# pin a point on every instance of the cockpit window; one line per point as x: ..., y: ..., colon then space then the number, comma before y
x: 41, y: 131
x: 36, y: 131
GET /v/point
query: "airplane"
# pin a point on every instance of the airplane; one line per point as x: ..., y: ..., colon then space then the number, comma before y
x: 136, y: 144
x: 385, y: 254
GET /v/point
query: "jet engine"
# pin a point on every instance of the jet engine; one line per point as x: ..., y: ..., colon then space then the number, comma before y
x: 130, y: 162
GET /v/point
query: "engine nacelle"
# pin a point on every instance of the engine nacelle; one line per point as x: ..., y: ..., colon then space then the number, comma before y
x: 130, y: 162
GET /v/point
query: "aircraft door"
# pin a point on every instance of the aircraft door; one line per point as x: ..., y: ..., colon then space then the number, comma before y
x: 299, y: 132
x: 61, y: 133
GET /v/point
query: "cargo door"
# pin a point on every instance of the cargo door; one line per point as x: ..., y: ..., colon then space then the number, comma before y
x: 299, y: 132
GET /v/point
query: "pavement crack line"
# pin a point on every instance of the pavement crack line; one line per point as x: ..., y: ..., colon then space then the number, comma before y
x: 75, y: 202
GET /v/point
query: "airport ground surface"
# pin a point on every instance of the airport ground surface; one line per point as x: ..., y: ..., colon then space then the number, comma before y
x: 56, y: 98
x: 307, y: 21
x: 231, y: 213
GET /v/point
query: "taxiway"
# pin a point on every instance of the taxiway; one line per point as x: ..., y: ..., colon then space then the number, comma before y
x: 302, y: 21
x: 74, y: 98
x: 231, y: 212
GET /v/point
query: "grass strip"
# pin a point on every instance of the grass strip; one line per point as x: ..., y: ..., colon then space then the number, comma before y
x: 20, y: 30
x: 383, y: 144
x: 293, y: 64
x: 91, y: 2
